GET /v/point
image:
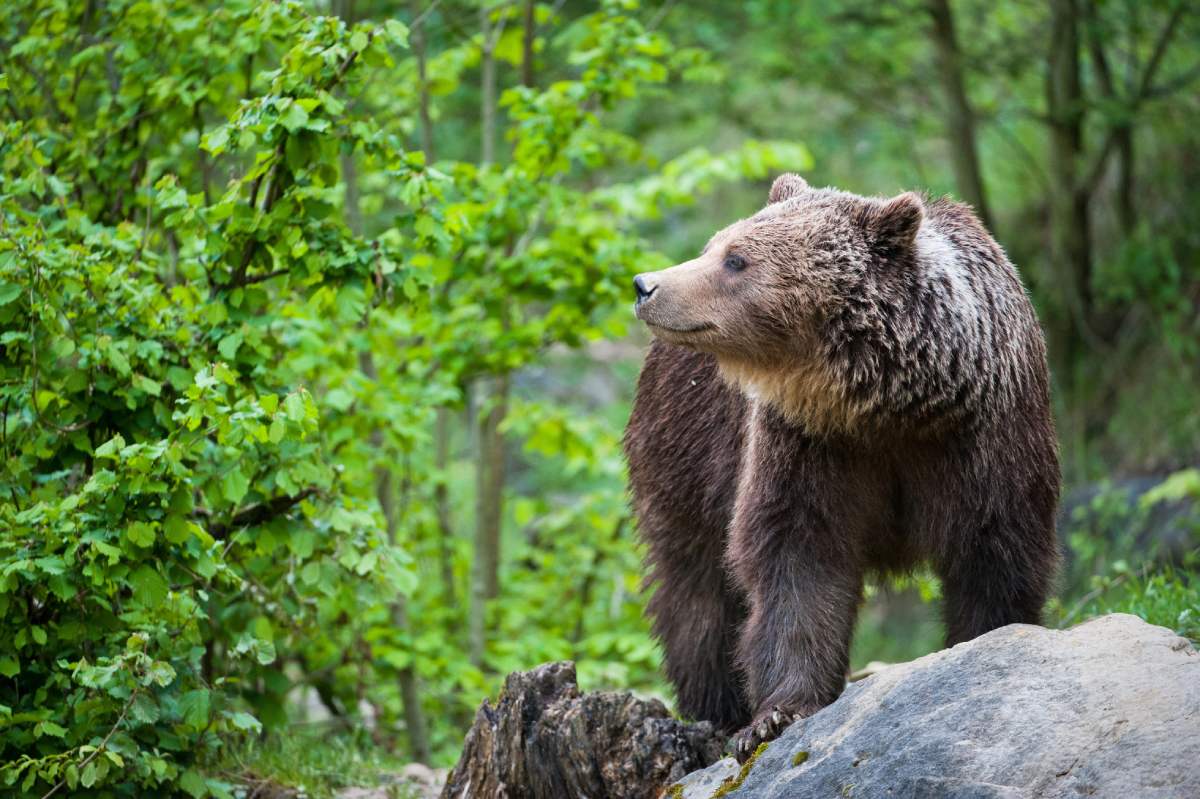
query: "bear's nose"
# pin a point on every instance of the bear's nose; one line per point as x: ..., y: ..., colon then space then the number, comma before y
x: 643, y: 288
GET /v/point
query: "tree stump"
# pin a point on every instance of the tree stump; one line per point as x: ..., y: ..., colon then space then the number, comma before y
x: 543, y: 739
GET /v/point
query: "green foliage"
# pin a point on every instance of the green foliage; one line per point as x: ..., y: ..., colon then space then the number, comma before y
x: 1169, y: 597
x: 1113, y: 573
x: 313, y: 763
x: 232, y: 298
x: 246, y: 306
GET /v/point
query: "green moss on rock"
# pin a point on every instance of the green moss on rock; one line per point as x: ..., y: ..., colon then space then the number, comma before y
x: 733, y: 783
x: 801, y: 757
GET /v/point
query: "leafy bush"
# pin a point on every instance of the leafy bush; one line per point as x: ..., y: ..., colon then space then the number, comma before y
x: 233, y: 302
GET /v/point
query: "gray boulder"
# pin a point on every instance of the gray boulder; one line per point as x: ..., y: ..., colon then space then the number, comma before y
x: 1110, y: 708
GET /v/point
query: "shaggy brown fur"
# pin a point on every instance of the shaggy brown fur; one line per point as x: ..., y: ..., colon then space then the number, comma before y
x: 840, y: 386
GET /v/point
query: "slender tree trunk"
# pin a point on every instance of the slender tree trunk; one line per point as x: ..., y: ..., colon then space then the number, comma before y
x: 1069, y: 224
x: 492, y: 402
x: 417, y: 41
x: 1126, y: 207
x: 960, y: 117
x: 410, y: 694
x: 1122, y: 130
x: 487, y: 69
x: 528, y: 34
x: 441, y: 500
x: 489, y: 509
x: 1070, y: 248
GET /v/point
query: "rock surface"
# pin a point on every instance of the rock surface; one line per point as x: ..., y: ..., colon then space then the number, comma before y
x: 544, y: 740
x: 1110, y: 708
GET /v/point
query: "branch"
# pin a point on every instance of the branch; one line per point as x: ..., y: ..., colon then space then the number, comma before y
x: 1174, y: 84
x: 260, y: 278
x: 1143, y: 93
x: 240, y: 277
x: 260, y: 513
x: 128, y: 704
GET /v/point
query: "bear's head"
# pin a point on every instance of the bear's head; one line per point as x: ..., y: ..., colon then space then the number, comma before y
x: 759, y: 295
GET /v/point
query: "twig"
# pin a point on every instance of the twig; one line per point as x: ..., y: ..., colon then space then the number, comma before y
x: 421, y: 17
x: 100, y: 748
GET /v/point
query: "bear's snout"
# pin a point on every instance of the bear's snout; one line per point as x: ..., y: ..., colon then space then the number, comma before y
x: 644, y: 288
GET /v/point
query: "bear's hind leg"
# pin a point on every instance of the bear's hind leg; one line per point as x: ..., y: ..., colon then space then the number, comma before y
x: 1003, y: 575
x: 697, y: 619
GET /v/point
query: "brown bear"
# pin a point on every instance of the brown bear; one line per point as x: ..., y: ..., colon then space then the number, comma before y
x: 839, y: 386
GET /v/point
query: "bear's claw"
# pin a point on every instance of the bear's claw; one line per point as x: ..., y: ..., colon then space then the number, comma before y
x: 766, y: 727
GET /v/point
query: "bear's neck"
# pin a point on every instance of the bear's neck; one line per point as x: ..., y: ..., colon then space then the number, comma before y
x: 808, y: 395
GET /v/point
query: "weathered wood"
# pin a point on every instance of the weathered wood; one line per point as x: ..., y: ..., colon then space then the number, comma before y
x: 543, y: 739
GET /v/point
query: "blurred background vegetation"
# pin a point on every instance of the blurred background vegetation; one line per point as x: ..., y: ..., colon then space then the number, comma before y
x: 316, y: 343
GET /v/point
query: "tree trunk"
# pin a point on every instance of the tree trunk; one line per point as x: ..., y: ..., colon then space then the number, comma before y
x: 1126, y: 207
x: 417, y: 41
x: 1122, y: 129
x: 960, y: 118
x: 441, y: 501
x: 1070, y: 248
x: 489, y: 508
x: 528, y: 33
x: 487, y: 89
x: 489, y: 471
x: 410, y: 694
x: 544, y: 740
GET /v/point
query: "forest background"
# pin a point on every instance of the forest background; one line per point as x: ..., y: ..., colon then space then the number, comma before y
x: 316, y: 344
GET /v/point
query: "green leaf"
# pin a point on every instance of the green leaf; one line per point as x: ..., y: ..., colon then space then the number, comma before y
x: 228, y: 346
x: 234, y: 485
x: 152, y: 387
x: 215, y: 140
x: 245, y: 722
x: 294, y: 118
x: 398, y: 31
x: 160, y: 673
x: 9, y: 292
x: 264, y: 652
x: 177, y: 528
x: 149, y: 587
x: 311, y: 573
x: 194, y: 708
x: 293, y: 407
x: 144, y: 709
x: 55, y: 730
x: 141, y: 533
x: 193, y: 784
x: 110, y: 448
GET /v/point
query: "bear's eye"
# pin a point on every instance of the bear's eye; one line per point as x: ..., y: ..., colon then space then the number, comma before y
x: 734, y: 263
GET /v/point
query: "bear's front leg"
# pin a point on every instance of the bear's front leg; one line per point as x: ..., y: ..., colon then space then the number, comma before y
x: 792, y: 552
x: 795, y: 645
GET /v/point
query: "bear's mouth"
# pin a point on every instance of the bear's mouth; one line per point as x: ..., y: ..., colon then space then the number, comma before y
x: 681, y: 330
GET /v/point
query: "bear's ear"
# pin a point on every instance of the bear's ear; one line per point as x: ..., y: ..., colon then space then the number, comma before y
x: 785, y: 187
x: 894, y: 225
